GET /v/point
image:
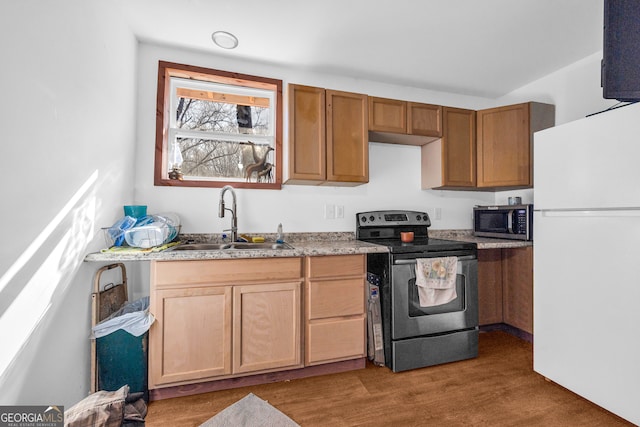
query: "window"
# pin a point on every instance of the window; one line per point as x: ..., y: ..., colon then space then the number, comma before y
x: 215, y: 128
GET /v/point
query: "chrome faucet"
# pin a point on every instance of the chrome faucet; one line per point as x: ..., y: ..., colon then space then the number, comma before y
x: 234, y: 214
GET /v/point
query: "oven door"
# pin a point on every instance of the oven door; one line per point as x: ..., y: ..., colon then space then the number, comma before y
x: 412, y: 320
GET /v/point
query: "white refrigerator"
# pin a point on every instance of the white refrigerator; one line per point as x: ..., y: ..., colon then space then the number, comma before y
x: 587, y: 258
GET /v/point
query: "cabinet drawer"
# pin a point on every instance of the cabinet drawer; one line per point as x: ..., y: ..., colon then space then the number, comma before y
x: 333, y: 298
x: 225, y: 271
x: 336, y: 265
x: 335, y: 340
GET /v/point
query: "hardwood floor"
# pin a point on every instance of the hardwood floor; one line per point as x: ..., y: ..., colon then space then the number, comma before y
x: 499, y: 388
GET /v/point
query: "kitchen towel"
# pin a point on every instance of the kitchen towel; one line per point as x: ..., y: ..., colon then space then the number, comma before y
x: 436, y: 280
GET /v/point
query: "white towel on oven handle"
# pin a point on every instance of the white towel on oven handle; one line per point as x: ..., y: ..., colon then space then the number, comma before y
x: 436, y: 280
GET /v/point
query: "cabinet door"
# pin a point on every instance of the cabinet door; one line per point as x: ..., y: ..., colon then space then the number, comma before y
x: 347, y: 137
x: 450, y: 162
x: 489, y: 286
x: 191, y: 337
x: 517, y: 284
x: 387, y: 115
x: 424, y: 119
x: 307, y: 158
x: 459, y: 147
x: 266, y: 327
x: 504, y: 149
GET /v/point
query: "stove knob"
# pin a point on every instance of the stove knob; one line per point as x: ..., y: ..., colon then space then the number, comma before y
x: 425, y: 218
x: 418, y: 217
x: 363, y: 219
x: 371, y: 218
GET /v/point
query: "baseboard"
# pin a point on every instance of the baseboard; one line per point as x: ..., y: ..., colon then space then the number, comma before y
x: 511, y: 330
x: 205, y: 387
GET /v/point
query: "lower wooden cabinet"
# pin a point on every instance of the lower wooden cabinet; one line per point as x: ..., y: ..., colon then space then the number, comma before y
x: 221, y: 318
x: 266, y: 326
x: 517, y: 282
x: 191, y: 337
x: 490, y: 286
x: 505, y: 287
x: 335, y: 323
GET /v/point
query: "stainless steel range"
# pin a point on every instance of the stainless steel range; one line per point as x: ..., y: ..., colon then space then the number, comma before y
x: 416, y: 336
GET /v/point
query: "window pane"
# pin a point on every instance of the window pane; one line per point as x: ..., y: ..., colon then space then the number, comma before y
x: 231, y: 160
x: 213, y: 111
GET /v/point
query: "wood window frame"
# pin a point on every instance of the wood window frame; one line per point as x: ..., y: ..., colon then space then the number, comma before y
x: 166, y: 70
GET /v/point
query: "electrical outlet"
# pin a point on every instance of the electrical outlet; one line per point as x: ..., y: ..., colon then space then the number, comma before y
x: 339, y: 211
x: 329, y: 212
x: 438, y: 214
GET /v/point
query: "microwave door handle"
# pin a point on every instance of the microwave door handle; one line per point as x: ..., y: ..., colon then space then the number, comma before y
x: 510, y: 221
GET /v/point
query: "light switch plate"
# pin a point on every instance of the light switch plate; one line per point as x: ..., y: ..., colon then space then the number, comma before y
x: 329, y: 212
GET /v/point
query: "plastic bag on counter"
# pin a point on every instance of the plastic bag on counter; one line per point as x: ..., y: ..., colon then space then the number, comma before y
x: 153, y: 230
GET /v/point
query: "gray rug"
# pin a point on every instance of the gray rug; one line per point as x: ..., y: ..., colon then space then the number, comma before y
x: 250, y: 411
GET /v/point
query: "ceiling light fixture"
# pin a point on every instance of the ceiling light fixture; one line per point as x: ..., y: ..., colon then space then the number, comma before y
x: 225, y: 39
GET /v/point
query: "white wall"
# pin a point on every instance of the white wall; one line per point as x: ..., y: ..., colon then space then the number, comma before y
x: 575, y: 90
x: 68, y: 119
x: 394, y: 170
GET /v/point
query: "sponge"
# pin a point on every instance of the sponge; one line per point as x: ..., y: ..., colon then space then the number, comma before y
x: 257, y: 239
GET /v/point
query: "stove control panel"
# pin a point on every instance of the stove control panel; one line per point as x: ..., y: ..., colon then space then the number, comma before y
x: 392, y: 218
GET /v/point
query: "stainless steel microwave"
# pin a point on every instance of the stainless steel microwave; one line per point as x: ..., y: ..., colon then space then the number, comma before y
x: 504, y: 222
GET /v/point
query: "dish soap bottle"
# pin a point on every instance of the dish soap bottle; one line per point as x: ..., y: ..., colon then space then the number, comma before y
x: 279, y: 235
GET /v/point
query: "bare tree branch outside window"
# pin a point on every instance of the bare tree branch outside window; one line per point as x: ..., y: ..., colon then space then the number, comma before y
x: 223, y: 158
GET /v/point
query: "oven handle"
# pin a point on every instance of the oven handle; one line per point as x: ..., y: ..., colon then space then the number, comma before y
x: 413, y: 261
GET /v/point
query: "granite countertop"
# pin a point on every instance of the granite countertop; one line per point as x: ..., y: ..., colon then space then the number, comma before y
x: 481, y: 242
x: 303, y: 244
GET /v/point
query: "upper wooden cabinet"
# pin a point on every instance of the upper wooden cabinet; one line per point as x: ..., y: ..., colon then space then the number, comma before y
x: 424, y: 119
x: 328, y: 137
x: 402, y: 122
x: 485, y: 150
x: 505, y: 143
x: 387, y: 115
x: 450, y: 162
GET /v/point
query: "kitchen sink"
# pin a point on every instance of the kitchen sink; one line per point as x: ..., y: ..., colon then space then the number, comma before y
x: 229, y: 246
x: 265, y: 245
x: 201, y: 247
